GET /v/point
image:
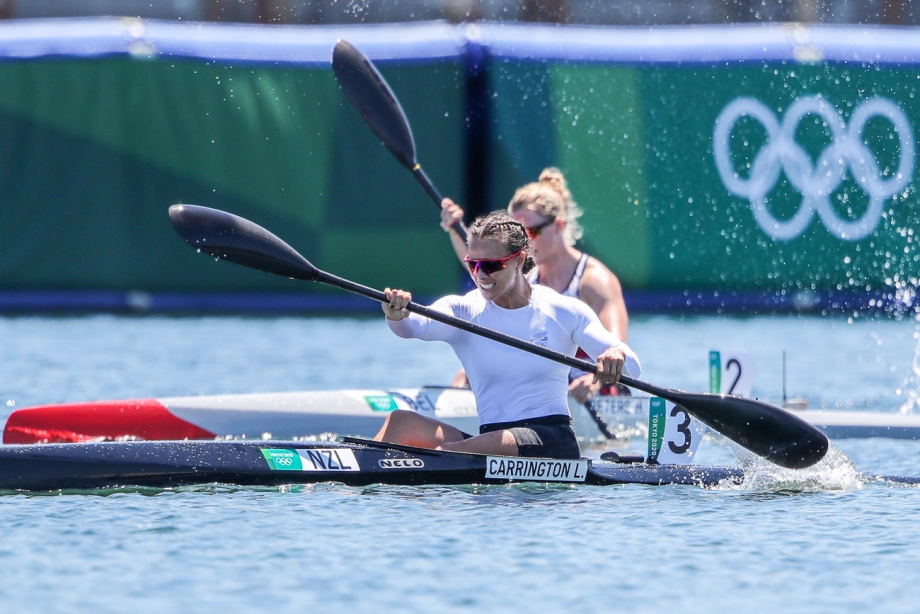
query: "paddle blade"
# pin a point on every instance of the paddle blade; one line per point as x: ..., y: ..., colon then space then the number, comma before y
x: 230, y: 237
x: 768, y: 431
x: 370, y: 95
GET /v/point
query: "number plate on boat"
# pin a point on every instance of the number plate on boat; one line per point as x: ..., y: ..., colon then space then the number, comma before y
x: 536, y: 469
x: 311, y: 459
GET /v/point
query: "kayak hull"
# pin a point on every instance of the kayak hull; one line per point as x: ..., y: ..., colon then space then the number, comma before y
x: 165, y: 464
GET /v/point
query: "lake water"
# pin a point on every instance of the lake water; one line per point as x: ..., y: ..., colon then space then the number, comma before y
x: 828, y: 539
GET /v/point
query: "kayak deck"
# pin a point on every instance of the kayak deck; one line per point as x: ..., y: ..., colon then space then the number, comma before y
x: 163, y: 464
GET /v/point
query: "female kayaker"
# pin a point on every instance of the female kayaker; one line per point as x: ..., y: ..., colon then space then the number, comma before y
x: 549, y: 214
x: 521, y: 398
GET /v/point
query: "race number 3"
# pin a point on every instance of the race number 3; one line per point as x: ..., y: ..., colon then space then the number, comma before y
x: 673, y: 436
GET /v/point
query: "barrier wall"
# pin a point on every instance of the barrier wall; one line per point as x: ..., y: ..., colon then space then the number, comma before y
x: 106, y: 123
x: 765, y: 160
x: 716, y: 167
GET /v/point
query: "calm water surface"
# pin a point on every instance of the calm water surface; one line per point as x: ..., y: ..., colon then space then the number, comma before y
x: 828, y: 539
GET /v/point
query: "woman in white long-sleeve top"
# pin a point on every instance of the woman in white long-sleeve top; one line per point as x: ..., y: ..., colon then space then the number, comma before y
x: 550, y: 216
x: 521, y: 397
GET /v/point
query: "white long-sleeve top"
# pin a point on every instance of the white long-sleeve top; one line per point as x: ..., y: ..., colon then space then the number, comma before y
x: 510, y: 384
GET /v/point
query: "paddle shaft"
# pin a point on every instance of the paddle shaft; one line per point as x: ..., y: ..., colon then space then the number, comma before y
x: 419, y: 173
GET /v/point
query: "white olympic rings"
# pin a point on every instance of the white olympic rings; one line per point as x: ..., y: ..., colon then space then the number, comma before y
x: 816, y: 182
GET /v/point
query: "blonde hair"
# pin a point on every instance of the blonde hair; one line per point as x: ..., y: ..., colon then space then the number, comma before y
x: 550, y: 196
x: 503, y: 228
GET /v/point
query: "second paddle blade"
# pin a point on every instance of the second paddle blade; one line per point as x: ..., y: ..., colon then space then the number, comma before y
x: 372, y: 97
x: 768, y: 431
x: 230, y: 237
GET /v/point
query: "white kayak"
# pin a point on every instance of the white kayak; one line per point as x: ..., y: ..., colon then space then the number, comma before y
x: 360, y: 413
x: 279, y: 415
x: 846, y: 424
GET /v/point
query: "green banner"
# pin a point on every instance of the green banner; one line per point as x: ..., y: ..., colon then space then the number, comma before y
x: 736, y: 175
x: 760, y: 176
x: 96, y: 150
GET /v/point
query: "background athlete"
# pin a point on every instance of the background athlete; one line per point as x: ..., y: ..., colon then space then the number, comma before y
x: 549, y: 214
x: 520, y: 397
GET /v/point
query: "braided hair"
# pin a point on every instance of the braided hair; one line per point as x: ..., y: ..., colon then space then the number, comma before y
x: 501, y: 227
x: 549, y: 196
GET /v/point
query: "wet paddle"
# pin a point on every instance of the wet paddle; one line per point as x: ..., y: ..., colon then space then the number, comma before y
x: 770, y: 432
x: 372, y: 97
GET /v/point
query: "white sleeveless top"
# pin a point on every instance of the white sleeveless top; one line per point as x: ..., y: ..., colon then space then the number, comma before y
x: 510, y: 384
x: 572, y: 289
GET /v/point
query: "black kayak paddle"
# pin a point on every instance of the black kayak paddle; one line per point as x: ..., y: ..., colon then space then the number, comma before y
x: 768, y: 431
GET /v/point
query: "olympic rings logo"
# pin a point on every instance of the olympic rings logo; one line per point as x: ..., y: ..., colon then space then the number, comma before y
x: 815, y: 182
x: 283, y: 461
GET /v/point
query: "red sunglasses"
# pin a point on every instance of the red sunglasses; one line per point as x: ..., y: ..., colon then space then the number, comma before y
x: 534, y: 231
x: 488, y: 265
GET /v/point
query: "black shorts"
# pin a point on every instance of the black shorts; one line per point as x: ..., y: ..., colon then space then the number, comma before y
x: 544, y: 437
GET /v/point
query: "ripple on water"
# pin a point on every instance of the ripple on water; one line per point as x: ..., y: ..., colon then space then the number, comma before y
x: 831, y: 538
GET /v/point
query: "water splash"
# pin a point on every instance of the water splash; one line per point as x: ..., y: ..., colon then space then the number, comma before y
x: 903, y: 304
x: 835, y: 472
x: 910, y: 384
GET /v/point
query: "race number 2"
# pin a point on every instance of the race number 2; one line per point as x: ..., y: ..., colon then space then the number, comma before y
x: 731, y: 373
